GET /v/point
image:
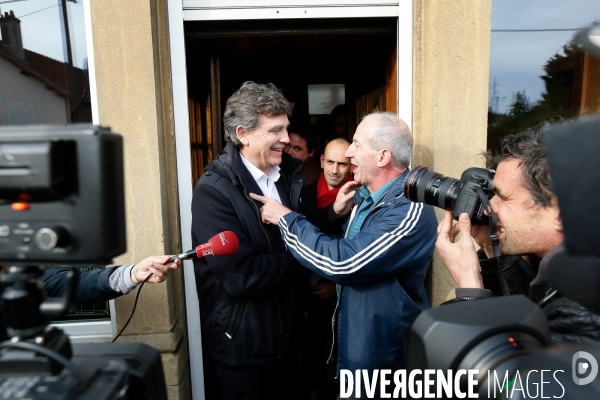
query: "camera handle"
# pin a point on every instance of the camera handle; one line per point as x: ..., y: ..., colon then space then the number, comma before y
x: 28, y: 315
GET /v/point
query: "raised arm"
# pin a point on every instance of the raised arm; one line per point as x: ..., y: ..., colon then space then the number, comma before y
x: 402, y: 237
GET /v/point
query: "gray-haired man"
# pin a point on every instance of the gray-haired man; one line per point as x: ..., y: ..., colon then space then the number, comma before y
x: 247, y: 299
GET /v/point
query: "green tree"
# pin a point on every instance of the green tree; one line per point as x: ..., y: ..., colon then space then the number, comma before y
x: 521, y: 104
x: 560, y: 100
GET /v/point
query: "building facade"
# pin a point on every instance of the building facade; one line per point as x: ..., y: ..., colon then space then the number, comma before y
x: 158, y: 67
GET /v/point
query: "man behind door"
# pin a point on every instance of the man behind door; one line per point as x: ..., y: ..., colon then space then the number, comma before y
x: 246, y: 299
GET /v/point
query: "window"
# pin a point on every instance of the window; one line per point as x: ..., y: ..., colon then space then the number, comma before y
x: 43, y: 63
x: 322, y: 99
x: 537, y: 73
x: 45, y: 80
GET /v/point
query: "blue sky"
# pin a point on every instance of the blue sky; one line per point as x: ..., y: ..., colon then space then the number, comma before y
x: 517, y: 58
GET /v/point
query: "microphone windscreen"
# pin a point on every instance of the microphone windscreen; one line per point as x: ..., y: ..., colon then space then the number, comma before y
x: 576, y: 277
x: 224, y: 243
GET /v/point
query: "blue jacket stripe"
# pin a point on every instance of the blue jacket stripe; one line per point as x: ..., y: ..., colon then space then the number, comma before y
x: 361, y: 258
x: 371, y: 252
x: 294, y: 242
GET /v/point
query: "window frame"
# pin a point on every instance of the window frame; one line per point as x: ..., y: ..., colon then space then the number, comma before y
x: 91, y: 331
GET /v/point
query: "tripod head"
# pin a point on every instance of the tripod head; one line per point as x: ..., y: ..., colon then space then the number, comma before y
x: 29, y: 312
x: 28, y: 316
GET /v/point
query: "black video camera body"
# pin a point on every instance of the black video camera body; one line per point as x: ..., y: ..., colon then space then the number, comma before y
x: 68, y: 181
x: 458, y: 195
x: 62, y: 201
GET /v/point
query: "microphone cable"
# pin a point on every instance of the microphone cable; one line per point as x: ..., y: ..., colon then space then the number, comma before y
x: 183, y: 256
x: 229, y: 244
x: 137, y: 296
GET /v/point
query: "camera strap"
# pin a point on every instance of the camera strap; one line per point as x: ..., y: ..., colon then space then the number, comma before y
x: 493, y: 235
x: 493, y: 220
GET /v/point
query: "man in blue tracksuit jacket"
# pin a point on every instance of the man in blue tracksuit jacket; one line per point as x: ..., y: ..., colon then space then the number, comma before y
x: 381, y: 263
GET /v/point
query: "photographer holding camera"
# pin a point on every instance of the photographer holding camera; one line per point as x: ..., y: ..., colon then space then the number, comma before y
x: 529, y: 227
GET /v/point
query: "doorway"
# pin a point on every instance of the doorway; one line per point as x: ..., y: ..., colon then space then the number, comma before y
x: 356, y: 56
x: 197, y: 28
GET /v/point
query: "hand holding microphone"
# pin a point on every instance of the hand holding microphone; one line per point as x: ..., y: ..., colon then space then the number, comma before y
x: 154, y: 269
x: 222, y: 244
x: 157, y: 266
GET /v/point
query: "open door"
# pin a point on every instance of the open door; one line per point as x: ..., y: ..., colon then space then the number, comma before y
x: 204, y: 103
x: 353, y: 46
x: 381, y: 98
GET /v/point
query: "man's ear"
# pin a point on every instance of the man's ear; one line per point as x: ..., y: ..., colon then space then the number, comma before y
x: 558, y: 221
x: 384, y: 157
x: 242, y: 135
x: 322, y: 161
x: 311, y: 153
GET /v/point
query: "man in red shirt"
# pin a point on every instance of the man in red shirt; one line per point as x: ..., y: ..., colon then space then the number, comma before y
x: 317, y: 198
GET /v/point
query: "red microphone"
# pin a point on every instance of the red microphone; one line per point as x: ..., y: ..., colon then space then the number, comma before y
x: 222, y: 244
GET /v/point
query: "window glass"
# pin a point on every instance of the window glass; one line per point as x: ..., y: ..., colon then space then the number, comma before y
x: 537, y: 73
x: 323, y: 98
x: 43, y: 63
x: 44, y: 77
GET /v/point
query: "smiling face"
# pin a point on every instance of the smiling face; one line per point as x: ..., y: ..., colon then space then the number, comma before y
x: 363, y: 158
x: 336, y: 166
x: 263, y: 146
x: 523, y: 226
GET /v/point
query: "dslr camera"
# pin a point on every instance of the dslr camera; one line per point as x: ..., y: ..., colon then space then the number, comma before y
x: 462, y: 195
x: 507, y: 341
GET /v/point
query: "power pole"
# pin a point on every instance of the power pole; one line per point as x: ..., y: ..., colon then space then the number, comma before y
x: 71, y: 86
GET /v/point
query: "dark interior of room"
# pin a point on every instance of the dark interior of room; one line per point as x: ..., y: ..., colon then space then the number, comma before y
x: 292, y: 54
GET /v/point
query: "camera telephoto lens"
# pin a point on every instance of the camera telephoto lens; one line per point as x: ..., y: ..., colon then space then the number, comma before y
x: 425, y: 186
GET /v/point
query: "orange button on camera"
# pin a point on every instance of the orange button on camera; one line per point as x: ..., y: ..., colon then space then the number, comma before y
x: 19, y: 206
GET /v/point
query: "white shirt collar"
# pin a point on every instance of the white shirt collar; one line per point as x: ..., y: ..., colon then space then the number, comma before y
x: 257, y: 174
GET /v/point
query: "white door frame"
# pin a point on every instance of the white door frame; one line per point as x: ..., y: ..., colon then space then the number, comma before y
x: 205, y: 10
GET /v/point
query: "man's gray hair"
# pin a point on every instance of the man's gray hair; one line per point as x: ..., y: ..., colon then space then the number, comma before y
x: 248, y: 103
x: 393, y: 134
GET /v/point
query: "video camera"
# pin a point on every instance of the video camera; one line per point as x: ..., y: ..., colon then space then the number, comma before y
x: 507, y: 339
x: 62, y: 202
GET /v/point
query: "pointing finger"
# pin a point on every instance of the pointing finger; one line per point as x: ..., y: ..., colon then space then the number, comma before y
x: 260, y: 198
